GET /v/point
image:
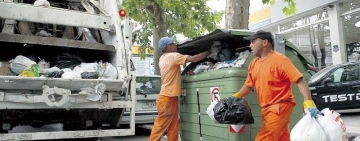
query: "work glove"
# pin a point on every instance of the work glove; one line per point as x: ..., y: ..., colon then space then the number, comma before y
x: 310, y: 107
x: 237, y: 95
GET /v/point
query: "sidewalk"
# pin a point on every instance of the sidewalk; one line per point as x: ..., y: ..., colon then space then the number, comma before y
x: 352, y: 125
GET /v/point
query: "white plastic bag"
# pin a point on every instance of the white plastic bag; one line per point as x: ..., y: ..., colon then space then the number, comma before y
x: 210, y: 110
x: 333, y: 126
x: 23, y: 61
x: 44, y: 3
x: 86, y: 67
x: 110, y: 71
x: 307, y: 129
x: 71, y: 75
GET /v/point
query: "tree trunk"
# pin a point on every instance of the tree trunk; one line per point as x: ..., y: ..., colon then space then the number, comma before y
x: 159, y: 31
x: 321, y: 43
x: 313, y: 49
x: 237, y: 14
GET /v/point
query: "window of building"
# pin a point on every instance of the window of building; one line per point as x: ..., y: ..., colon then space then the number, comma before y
x: 350, y: 5
x: 351, y: 27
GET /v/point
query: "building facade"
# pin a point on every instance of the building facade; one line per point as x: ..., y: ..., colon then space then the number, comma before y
x: 327, y: 31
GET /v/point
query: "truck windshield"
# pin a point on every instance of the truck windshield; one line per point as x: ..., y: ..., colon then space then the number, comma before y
x: 148, y: 85
x: 320, y: 74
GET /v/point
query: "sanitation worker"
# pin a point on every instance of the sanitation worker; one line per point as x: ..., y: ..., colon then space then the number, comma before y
x: 271, y: 74
x: 167, y: 102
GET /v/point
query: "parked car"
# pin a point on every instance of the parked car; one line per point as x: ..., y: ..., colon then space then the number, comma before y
x: 337, y: 87
x: 147, y: 91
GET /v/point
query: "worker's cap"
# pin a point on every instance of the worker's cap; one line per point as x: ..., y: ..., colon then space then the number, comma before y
x: 164, y: 41
x: 262, y: 35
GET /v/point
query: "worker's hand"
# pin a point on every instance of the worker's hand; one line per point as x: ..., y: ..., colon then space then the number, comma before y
x: 310, y: 107
x: 237, y: 95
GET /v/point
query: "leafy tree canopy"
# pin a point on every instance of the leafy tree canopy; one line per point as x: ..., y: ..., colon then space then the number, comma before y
x: 290, y: 9
x: 188, y: 17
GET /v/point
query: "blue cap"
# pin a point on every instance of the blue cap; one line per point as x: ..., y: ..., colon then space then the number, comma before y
x: 164, y: 41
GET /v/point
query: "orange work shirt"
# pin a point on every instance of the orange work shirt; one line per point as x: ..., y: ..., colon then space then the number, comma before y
x: 272, y: 78
x: 170, y: 71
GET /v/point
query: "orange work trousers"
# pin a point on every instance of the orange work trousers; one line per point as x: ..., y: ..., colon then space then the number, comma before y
x: 276, y: 121
x: 167, y: 119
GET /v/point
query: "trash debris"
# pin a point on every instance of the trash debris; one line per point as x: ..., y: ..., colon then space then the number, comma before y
x: 55, y: 74
x: 234, y: 111
x: 43, y: 33
x: 90, y: 75
x: 67, y: 60
x: 87, y: 67
x: 44, y: 3
x: 70, y: 75
x: 43, y: 65
x: 94, y: 94
x: 222, y: 56
x: 32, y: 72
x: 19, y: 64
x: 107, y: 71
x: 65, y: 65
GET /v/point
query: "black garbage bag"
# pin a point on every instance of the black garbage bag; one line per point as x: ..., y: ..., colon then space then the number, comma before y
x: 233, y: 110
x: 55, y: 74
x: 90, y: 75
x: 66, y: 60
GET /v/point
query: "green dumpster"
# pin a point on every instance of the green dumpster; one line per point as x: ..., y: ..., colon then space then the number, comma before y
x: 200, y: 89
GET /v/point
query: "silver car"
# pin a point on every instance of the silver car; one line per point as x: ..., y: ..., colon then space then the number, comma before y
x: 147, y: 91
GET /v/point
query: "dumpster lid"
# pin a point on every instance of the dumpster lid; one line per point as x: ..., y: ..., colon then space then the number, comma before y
x: 204, y: 43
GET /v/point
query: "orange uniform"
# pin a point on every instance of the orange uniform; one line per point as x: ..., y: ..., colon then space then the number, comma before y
x: 272, y: 78
x: 167, y: 102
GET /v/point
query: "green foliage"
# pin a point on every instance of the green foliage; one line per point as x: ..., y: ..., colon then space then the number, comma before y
x: 290, y: 9
x: 190, y: 18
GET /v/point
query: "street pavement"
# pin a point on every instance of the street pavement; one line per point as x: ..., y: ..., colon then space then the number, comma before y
x: 351, y: 119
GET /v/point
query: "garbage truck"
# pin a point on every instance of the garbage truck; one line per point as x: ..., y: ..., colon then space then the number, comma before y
x: 65, y: 62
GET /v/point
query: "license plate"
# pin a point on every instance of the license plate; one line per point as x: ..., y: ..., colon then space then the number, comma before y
x: 149, y: 105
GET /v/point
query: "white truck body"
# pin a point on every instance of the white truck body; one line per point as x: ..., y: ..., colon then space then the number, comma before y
x: 30, y: 96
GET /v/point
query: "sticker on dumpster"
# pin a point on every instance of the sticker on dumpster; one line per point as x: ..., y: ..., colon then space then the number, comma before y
x: 214, y: 94
x: 236, y: 128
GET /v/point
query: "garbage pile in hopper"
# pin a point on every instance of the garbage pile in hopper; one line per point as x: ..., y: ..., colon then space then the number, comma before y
x: 66, y: 65
x: 221, y: 57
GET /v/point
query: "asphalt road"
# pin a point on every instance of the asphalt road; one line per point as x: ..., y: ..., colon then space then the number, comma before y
x: 351, y: 119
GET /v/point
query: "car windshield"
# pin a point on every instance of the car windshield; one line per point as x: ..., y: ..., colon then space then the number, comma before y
x: 320, y: 74
x: 148, y: 85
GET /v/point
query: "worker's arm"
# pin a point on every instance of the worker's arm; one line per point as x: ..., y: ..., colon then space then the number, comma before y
x: 309, y: 104
x: 244, y: 91
x: 248, y: 85
x: 197, y: 57
x: 304, y: 88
